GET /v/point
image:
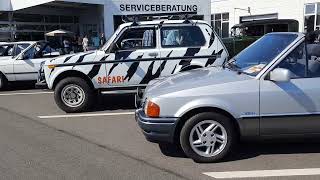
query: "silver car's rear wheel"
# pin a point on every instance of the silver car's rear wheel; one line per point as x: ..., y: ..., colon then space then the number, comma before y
x: 208, y: 138
x: 73, y: 95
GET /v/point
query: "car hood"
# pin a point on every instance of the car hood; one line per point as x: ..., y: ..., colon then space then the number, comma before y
x: 77, y: 58
x: 194, y: 79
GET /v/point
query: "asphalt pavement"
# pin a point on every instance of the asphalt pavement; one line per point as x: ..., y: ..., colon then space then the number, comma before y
x: 39, y: 141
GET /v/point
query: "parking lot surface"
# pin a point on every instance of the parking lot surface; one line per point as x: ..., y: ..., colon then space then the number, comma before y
x: 39, y: 141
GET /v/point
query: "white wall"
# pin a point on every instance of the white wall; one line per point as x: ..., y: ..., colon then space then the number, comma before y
x: 21, y: 4
x: 286, y: 9
x: 5, y: 5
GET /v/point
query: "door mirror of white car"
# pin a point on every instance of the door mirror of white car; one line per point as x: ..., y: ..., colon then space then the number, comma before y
x: 20, y: 57
x: 280, y: 75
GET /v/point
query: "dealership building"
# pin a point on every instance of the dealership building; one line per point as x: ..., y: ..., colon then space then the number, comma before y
x: 227, y: 13
x: 31, y: 19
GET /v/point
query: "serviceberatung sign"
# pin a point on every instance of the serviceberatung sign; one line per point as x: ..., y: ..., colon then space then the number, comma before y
x: 157, y: 8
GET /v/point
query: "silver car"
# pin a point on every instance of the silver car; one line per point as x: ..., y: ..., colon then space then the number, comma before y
x: 269, y: 90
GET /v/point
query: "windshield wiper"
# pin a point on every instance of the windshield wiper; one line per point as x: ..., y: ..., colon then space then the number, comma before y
x: 232, y: 66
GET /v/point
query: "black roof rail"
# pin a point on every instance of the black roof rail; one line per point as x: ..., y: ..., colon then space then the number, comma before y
x: 133, y: 19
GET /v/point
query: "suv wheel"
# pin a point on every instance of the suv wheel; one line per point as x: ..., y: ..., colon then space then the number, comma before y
x: 207, y: 137
x: 3, y: 82
x: 73, y: 95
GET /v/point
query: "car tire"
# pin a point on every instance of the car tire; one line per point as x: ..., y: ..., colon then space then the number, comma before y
x: 3, y: 82
x: 216, y: 131
x: 74, y: 95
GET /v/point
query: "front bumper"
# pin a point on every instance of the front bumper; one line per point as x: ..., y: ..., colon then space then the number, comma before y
x: 41, y: 81
x: 157, y: 129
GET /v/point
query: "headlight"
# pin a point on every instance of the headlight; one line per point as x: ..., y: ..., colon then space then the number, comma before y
x: 152, y: 109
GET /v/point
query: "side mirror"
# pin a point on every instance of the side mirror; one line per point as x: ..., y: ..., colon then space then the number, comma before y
x: 280, y: 75
x: 21, y: 57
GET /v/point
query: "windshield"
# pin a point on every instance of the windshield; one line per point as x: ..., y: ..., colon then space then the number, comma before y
x: 105, y: 46
x: 254, y: 58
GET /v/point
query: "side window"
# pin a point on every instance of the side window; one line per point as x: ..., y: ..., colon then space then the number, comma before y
x: 29, y: 54
x: 137, y: 38
x: 6, y: 50
x: 182, y: 36
x: 313, y: 59
x: 296, y: 62
x: 19, y: 48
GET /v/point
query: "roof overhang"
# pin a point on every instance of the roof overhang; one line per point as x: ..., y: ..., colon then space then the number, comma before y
x: 22, y: 4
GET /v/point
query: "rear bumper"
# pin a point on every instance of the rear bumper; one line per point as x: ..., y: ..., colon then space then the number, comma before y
x: 157, y: 130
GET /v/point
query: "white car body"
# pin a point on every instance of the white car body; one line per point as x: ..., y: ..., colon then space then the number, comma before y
x: 23, y: 61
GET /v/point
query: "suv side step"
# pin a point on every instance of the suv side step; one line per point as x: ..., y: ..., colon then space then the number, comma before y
x: 119, y: 92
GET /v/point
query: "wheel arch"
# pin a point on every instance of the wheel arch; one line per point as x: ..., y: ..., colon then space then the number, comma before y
x: 198, y: 110
x: 72, y: 73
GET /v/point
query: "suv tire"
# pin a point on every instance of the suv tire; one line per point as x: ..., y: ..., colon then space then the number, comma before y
x: 216, y: 130
x: 73, y: 94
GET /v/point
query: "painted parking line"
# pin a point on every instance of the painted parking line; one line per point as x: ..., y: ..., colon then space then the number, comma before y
x: 263, y: 173
x: 31, y: 93
x: 85, y: 115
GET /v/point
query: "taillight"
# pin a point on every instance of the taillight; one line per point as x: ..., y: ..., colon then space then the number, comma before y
x: 152, y: 110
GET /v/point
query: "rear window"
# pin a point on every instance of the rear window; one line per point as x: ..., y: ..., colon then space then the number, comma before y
x: 182, y: 36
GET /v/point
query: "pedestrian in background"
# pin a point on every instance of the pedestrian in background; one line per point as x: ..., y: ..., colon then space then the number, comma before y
x: 66, y: 46
x: 102, y: 40
x: 79, y: 44
x: 85, y: 43
x: 95, y: 41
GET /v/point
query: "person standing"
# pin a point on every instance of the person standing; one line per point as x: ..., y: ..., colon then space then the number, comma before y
x: 66, y: 45
x: 85, y: 43
x: 79, y: 44
x: 95, y: 41
x: 102, y: 40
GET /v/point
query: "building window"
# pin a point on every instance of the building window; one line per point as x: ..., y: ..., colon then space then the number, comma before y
x: 220, y: 23
x: 312, y: 17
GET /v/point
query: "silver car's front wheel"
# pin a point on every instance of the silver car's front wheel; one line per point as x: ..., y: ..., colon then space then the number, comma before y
x: 208, y: 138
x: 73, y: 95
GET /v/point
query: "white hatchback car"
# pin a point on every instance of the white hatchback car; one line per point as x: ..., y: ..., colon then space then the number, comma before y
x: 20, y: 61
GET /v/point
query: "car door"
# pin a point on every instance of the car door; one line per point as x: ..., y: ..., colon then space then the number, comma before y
x: 27, y: 64
x: 6, y: 60
x: 292, y: 108
x: 134, y: 43
x: 185, y: 40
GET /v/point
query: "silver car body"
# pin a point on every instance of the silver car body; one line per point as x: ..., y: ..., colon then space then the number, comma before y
x: 260, y: 107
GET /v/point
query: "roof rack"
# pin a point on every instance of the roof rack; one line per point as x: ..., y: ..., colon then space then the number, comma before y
x: 135, y: 19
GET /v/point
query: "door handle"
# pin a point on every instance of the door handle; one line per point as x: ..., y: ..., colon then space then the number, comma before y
x: 153, y: 54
